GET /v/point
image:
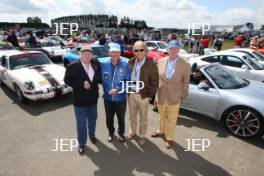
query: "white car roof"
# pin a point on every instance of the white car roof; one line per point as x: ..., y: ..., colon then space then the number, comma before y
x: 17, y: 52
x: 225, y: 52
x: 241, y: 49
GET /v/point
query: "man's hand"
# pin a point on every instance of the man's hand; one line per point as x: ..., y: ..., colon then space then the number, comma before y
x: 86, y: 85
x: 113, y: 92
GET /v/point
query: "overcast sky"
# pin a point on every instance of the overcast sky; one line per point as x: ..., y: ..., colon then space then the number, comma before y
x: 157, y: 13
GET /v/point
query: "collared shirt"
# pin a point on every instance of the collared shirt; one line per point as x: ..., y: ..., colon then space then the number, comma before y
x: 170, y: 68
x: 136, y: 73
x: 89, y: 70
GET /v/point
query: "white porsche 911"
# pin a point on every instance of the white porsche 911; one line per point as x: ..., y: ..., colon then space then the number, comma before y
x: 32, y: 75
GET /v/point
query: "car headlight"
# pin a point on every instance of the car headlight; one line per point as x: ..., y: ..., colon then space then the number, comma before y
x: 29, y: 85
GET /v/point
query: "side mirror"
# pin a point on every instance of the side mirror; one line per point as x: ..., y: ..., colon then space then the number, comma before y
x: 203, y: 85
x: 245, y: 67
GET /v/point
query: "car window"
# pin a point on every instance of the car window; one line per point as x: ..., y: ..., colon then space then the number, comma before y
x: 253, y: 63
x: 259, y: 55
x: 3, y: 62
x: 231, y: 61
x: 197, y: 77
x: 224, y: 79
x: 211, y: 59
x: 100, y: 52
x: 151, y: 45
x: 6, y: 47
x: 27, y: 60
x: 162, y: 45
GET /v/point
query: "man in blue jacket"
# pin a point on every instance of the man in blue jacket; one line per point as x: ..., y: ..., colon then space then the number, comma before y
x: 115, y: 74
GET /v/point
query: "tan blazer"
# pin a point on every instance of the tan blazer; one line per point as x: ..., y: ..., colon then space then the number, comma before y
x: 177, y: 87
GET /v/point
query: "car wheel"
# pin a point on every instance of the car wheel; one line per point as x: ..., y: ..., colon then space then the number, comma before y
x: 1, y: 82
x: 65, y: 63
x: 244, y: 122
x: 19, y: 94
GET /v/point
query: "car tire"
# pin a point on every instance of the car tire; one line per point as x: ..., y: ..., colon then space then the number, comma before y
x: 1, y: 82
x: 244, y: 122
x: 19, y: 94
x: 65, y: 63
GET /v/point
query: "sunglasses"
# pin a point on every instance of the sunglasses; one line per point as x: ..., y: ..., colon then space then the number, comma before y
x: 139, y: 50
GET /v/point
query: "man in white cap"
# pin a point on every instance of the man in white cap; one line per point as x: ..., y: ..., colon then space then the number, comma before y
x: 174, y: 76
x: 115, y: 74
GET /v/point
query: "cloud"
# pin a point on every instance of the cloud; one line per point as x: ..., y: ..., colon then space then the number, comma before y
x: 157, y: 13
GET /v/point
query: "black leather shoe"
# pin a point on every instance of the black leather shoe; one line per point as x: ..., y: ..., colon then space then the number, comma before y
x: 110, y: 138
x: 121, y: 138
x: 93, y: 140
x: 81, y: 150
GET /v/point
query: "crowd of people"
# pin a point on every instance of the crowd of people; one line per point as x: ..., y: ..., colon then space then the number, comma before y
x: 192, y: 44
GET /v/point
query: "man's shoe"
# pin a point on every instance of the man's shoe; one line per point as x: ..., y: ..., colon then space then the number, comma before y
x: 93, y: 140
x: 110, y: 138
x: 156, y: 134
x: 130, y: 136
x: 168, y: 144
x: 121, y: 138
x: 142, y: 141
x: 81, y: 150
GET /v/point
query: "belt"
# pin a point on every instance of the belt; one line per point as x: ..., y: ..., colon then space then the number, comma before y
x: 131, y: 90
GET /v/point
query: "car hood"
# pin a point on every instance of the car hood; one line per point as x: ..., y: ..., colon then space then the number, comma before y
x: 31, y: 74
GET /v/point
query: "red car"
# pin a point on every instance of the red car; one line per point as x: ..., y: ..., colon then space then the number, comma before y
x: 151, y: 55
x: 73, y: 42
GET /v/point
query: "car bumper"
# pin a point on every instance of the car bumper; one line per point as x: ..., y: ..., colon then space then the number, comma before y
x: 47, y: 95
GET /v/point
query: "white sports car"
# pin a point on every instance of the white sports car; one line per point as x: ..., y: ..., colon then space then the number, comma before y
x: 53, y: 47
x: 32, y: 75
x: 240, y: 64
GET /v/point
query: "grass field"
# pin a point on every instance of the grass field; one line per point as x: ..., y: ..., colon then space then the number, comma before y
x: 228, y: 44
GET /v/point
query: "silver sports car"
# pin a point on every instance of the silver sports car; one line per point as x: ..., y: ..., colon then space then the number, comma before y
x: 220, y: 95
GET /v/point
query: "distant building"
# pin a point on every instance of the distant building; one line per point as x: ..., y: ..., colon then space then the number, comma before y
x: 221, y: 28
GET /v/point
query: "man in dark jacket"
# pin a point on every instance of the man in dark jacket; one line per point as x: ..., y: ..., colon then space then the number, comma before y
x: 12, y: 38
x: 83, y: 77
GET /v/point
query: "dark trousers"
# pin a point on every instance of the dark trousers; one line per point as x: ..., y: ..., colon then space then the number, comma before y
x: 118, y: 108
x: 86, y: 122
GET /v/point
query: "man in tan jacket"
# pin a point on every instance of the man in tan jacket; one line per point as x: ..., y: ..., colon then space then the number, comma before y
x: 174, y: 76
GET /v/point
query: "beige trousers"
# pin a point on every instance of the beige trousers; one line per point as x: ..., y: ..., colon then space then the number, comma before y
x: 137, y: 104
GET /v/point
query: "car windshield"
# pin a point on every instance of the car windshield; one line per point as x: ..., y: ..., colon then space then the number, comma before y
x: 27, y: 60
x: 163, y: 45
x: 50, y: 43
x: 6, y: 47
x: 259, y: 55
x: 223, y: 79
x: 101, y: 51
x: 253, y: 63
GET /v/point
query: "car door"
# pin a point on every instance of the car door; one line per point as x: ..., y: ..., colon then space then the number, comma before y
x: 234, y: 64
x: 202, y: 101
x: 4, y: 71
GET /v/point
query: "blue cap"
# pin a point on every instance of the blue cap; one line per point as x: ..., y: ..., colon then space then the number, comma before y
x: 115, y: 47
x: 174, y: 44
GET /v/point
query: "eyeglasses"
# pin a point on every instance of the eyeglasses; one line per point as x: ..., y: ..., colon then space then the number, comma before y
x: 139, y: 50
